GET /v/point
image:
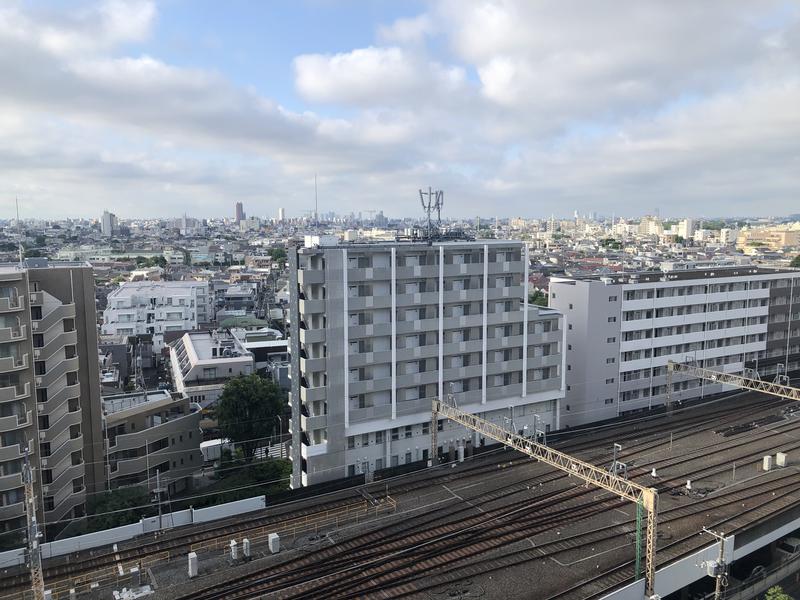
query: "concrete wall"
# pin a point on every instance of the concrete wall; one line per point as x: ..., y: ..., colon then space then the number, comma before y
x: 128, y: 532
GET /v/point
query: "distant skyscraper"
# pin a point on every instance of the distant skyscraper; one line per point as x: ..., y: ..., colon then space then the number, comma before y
x: 281, y: 215
x: 108, y: 224
x: 239, y: 213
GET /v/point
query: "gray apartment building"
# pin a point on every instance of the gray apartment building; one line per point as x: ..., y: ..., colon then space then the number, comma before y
x: 622, y: 329
x: 49, y: 391
x: 152, y: 438
x: 378, y: 330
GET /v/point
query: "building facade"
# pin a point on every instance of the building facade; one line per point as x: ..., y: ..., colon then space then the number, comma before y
x: 155, y: 307
x: 623, y: 329
x: 378, y: 330
x: 203, y: 361
x: 152, y: 438
x: 49, y: 391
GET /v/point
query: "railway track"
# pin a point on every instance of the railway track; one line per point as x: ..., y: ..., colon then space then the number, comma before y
x: 389, y: 559
x: 645, y: 435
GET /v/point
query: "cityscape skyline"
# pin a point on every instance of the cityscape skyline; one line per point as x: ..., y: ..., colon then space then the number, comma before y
x: 519, y: 105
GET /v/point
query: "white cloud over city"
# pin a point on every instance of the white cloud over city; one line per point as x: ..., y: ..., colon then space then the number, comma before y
x: 513, y: 108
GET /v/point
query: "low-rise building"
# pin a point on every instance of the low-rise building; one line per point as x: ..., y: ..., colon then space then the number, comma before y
x: 152, y: 437
x: 203, y: 361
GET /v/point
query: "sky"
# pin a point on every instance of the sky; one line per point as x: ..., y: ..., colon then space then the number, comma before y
x: 512, y: 107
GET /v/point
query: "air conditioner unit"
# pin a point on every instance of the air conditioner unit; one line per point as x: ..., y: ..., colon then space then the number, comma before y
x: 44, y: 462
x: 34, y: 325
x: 41, y: 435
x: 45, y: 488
x: 40, y: 408
x: 36, y: 353
x: 38, y: 381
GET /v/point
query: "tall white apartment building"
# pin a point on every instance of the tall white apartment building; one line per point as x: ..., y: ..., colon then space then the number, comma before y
x: 378, y: 330
x: 155, y: 307
x: 622, y: 330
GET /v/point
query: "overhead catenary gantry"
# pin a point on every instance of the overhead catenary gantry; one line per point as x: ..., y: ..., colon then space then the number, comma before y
x: 646, y: 498
x: 749, y: 381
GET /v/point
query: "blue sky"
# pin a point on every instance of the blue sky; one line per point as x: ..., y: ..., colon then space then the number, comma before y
x: 514, y: 108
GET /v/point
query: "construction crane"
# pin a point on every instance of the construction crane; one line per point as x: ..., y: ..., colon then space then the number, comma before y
x: 750, y: 380
x: 34, y: 550
x: 646, y: 498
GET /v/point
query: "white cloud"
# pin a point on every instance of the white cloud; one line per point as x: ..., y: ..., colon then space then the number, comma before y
x: 407, y: 31
x: 512, y: 107
x: 370, y: 76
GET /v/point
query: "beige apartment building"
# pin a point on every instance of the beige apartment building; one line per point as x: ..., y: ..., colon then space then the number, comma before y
x: 773, y: 238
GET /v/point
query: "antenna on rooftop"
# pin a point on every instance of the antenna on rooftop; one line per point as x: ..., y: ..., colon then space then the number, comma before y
x: 316, y: 202
x: 19, y: 232
x: 435, y: 201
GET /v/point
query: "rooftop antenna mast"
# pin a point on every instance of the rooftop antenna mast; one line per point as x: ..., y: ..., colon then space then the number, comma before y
x: 434, y: 202
x: 19, y: 232
x: 316, y: 202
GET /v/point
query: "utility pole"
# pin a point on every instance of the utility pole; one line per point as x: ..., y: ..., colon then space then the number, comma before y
x: 158, y: 492
x: 34, y: 550
x: 719, y: 568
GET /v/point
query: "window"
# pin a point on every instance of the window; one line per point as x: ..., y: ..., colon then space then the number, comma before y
x: 569, y: 326
x: 49, y: 503
x: 39, y: 367
x: 44, y: 422
x: 351, y: 442
x: 426, y: 428
x: 611, y: 340
x: 612, y: 319
x: 69, y: 325
x: 612, y: 298
x: 569, y: 367
x: 408, y: 431
x: 365, y: 439
x: 47, y: 476
x: 569, y: 346
x: 38, y: 340
x: 395, y: 434
x: 610, y: 380
x: 41, y: 395
x: 36, y: 313
x: 378, y: 438
x: 608, y: 401
x: 570, y: 306
x: 611, y: 360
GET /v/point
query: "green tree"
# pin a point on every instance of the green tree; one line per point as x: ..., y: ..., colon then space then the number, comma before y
x: 118, y: 507
x: 278, y: 254
x: 776, y: 593
x: 40, y: 240
x: 246, y: 411
x: 795, y: 264
x: 538, y: 298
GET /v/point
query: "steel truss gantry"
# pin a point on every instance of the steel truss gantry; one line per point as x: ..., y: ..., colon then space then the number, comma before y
x: 645, y: 498
x: 754, y: 383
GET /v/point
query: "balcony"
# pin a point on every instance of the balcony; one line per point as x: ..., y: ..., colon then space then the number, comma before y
x: 361, y: 415
x: 312, y: 394
x: 13, y: 334
x: 315, y: 422
x: 366, y: 302
x: 8, y: 304
x: 15, y: 392
x: 69, y: 338
x: 308, y: 307
x: 312, y: 336
x: 59, y: 370
x: 12, y: 511
x: 308, y: 365
x: 310, y: 276
x: 11, y: 363
x: 12, y: 452
x: 15, y: 421
x: 307, y: 451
